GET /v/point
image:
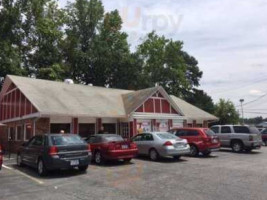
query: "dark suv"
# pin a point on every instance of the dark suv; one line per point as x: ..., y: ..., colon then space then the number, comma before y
x: 55, y: 151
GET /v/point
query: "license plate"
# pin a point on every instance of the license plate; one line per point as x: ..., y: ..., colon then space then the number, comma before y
x: 124, y: 146
x: 74, y: 162
x: 179, y: 145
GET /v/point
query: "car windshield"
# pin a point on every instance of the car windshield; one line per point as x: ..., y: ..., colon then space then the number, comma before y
x: 166, y: 136
x: 209, y: 132
x: 113, y: 138
x: 63, y: 140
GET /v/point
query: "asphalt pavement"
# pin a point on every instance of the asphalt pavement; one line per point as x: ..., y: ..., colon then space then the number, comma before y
x: 222, y: 176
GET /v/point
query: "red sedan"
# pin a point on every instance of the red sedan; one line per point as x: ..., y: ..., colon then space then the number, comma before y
x: 111, y: 147
x: 1, y: 157
x: 201, y: 140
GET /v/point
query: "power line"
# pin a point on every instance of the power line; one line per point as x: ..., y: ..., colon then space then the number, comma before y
x: 250, y: 102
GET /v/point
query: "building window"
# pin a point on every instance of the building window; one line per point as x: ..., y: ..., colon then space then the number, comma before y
x: 109, y: 128
x: 85, y: 130
x: 28, y: 131
x: 20, y: 135
x: 125, y: 130
x: 56, y: 128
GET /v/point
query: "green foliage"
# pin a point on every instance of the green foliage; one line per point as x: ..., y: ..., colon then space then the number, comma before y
x: 200, y: 99
x: 81, y: 42
x: 225, y: 110
x: 165, y: 63
x: 10, y: 39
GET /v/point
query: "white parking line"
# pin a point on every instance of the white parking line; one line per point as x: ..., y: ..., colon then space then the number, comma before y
x: 23, y: 174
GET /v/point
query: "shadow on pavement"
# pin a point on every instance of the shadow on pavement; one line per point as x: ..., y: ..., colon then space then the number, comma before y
x: 243, y: 152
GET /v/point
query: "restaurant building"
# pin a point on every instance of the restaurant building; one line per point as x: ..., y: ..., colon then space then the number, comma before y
x: 31, y: 107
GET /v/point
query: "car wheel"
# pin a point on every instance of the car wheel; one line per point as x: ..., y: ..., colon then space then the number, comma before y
x: 177, y: 157
x: 98, y: 158
x: 41, y: 168
x: 153, y: 154
x: 237, y: 146
x: 127, y: 160
x: 19, y: 161
x: 83, y: 168
x: 193, y: 150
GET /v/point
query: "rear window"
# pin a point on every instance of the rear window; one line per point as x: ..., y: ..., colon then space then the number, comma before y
x: 209, y: 132
x: 264, y: 131
x: 254, y: 130
x: 166, y: 136
x: 66, y: 140
x: 241, y: 129
x: 113, y: 138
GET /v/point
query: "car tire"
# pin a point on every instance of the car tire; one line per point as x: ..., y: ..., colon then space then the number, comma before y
x: 193, y: 150
x: 83, y: 168
x: 237, y: 146
x: 19, y: 161
x: 98, y: 158
x: 248, y: 150
x: 127, y: 160
x: 206, y: 153
x: 153, y: 155
x: 177, y: 157
x: 41, y: 169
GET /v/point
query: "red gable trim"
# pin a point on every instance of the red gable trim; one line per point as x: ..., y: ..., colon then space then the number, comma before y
x: 156, y: 103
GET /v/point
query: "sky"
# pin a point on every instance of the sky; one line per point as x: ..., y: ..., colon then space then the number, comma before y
x: 227, y: 37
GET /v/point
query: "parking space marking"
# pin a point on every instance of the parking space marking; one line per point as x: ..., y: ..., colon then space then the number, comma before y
x: 25, y: 175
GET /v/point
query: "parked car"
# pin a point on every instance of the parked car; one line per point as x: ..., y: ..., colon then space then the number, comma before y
x: 238, y: 137
x: 264, y: 136
x: 161, y: 144
x: 111, y: 147
x: 201, y: 140
x: 55, y: 151
x: 1, y: 157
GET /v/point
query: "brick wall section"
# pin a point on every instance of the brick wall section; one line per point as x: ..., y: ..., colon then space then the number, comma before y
x: 42, y: 126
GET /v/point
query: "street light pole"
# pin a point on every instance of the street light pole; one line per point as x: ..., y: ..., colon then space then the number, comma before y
x: 241, y: 101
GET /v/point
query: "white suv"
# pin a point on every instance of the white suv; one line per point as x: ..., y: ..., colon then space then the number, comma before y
x: 238, y: 137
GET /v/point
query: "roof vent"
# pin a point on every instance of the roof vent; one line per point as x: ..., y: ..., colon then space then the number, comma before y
x: 68, y: 81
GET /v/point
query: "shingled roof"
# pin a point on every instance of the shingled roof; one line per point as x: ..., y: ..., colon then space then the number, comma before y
x: 192, y: 112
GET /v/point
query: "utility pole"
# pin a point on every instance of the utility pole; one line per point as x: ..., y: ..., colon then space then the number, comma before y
x: 241, y: 101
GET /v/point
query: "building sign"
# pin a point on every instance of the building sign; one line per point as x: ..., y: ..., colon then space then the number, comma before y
x: 144, y: 125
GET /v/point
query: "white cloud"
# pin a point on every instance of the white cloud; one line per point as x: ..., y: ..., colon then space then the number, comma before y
x: 256, y: 92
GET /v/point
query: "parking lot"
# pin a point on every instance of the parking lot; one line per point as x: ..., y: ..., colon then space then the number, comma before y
x: 224, y: 175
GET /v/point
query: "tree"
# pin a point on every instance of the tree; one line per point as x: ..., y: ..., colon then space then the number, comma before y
x: 226, y: 112
x: 43, y: 36
x: 165, y: 63
x: 83, y: 19
x: 10, y: 38
x: 200, y: 99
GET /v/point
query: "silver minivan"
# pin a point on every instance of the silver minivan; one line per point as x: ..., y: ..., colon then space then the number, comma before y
x: 161, y: 144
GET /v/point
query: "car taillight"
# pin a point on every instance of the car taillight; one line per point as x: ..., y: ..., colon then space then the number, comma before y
x: 133, y: 145
x: 168, y: 143
x: 250, y: 138
x: 53, y: 151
